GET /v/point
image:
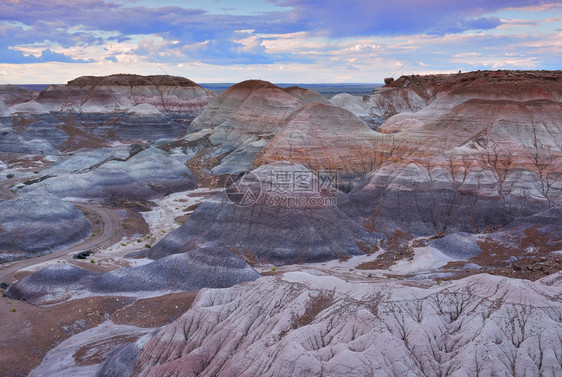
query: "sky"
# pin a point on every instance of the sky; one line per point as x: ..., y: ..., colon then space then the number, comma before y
x: 282, y: 41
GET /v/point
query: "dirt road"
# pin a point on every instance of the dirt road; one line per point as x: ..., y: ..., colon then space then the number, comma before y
x: 112, y: 232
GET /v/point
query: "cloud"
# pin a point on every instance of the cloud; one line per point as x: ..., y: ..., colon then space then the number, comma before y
x: 51, y: 56
x: 337, y: 38
x: 55, y: 19
x: 226, y: 52
x: 366, y: 17
x: 89, y: 23
x: 46, y: 55
x: 541, y: 7
x: 191, y: 25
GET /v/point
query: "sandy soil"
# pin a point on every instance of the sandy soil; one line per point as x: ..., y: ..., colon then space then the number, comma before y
x: 28, y: 331
x: 156, y: 223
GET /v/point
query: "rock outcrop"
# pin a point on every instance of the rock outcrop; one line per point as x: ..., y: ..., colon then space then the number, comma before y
x: 13, y: 142
x: 50, y: 283
x: 458, y: 245
x: 351, y: 103
x: 308, y: 323
x: 127, y: 172
x: 38, y: 138
x: 123, y: 92
x: 93, y: 111
x: 409, y: 94
x: 141, y: 125
x: 192, y: 271
x: 12, y: 94
x: 3, y: 108
x: 382, y: 103
x: 469, y: 164
x: 422, y: 201
x: 252, y: 108
x: 518, y: 86
x: 465, y: 153
x: 279, y: 213
x: 485, y: 151
x: 39, y: 223
x: 145, y: 109
x: 531, y: 243
x: 31, y: 108
x: 240, y: 121
x: 43, y: 130
x: 323, y: 137
x: 96, y: 130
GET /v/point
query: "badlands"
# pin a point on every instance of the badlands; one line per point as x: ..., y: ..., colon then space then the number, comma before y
x: 150, y: 227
